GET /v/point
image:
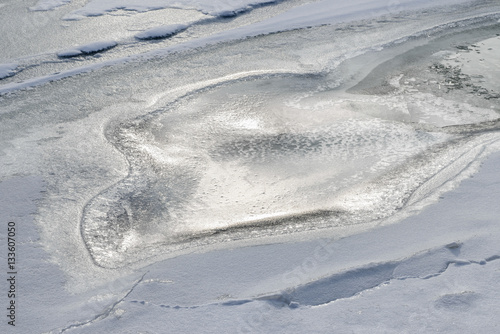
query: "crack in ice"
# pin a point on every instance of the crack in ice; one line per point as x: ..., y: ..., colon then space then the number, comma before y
x: 108, y: 310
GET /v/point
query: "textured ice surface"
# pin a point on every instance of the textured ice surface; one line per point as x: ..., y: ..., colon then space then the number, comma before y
x: 122, y: 144
x: 252, y: 156
x: 276, y: 155
x: 478, y: 64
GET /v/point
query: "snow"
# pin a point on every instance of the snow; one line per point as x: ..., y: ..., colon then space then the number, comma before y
x: 162, y: 31
x: 7, y: 70
x: 313, y: 14
x: 214, y: 8
x: 97, y: 47
x: 436, y: 271
x: 87, y: 49
x: 186, y: 185
x: 44, y: 5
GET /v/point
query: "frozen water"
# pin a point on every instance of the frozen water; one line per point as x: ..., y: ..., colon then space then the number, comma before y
x: 297, y: 153
x: 145, y: 168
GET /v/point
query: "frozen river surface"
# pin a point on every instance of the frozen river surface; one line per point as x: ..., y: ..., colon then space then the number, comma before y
x: 136, y: 133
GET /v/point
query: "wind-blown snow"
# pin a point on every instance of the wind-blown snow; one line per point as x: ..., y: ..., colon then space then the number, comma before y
x: 162, y: 31
x: 209, y: 7
x: 7, y: 70
x: 87, y: 49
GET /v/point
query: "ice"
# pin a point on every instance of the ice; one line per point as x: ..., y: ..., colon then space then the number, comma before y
x: 333, y: 11
x: 295, y: 158
x: 312, y: 14
x: 87, y: 49
x: 305, y: 167
x: 7, y: 70
x: 264, y: 163
x: 479, y: 65
x: 162, y: 31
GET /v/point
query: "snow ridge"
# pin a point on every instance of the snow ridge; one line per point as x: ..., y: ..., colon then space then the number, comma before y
x: 44, y: 5
x: 7, y: 70
x: 161, y: 31
x: 87, y: 49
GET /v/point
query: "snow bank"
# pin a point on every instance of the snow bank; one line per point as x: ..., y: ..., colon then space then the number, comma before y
x: 87, y: 49
x: 43, y: 5
x: 210, y: 7
x: 7, y: 70
x: 162, y: 31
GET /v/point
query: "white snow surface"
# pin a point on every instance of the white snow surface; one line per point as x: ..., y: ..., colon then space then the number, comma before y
x: 90, y: 48
x: 7, y: 70
x: 430, y: 267
x: 214, y: 8
x: 162, y: 31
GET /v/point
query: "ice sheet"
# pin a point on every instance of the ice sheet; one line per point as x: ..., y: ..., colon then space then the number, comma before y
x: 311, y: 180
x: 291, y: 154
